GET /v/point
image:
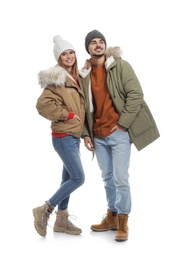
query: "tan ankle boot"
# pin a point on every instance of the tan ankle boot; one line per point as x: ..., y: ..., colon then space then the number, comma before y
x: 122, y: 227
x: 63, y: 224
x: 41, y: 217
x: 109, y: 222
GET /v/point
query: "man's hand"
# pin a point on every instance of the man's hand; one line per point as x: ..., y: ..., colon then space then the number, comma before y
x: 88, y: 143
x: 117, y: 127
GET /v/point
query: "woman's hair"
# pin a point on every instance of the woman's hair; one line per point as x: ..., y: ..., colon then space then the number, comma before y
x: 75, y: 70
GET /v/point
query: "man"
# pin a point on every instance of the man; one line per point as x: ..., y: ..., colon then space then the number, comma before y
x: 116, y: 117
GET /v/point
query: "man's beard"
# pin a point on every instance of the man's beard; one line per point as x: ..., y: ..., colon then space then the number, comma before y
x: 98, y: 55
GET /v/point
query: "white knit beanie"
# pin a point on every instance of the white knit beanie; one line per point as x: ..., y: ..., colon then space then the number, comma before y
x: 61, y: 45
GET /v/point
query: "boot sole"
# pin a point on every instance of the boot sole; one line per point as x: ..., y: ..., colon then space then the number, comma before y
x: 101, y: 230
x: 121, y: 239
x: 67, y: 232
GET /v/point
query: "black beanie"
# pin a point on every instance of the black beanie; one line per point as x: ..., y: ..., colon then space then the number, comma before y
x: 91, y: 35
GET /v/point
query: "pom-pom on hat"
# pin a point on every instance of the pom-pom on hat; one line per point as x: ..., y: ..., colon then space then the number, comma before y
x: 61, y: 45
x: 91, y: 35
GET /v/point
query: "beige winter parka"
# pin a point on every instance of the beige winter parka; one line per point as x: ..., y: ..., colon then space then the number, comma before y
x: 60, y: 96
x: 127, y: 96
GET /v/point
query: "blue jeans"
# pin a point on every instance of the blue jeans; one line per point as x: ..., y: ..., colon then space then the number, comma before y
x: 113, y: 156
x: 72, y: 172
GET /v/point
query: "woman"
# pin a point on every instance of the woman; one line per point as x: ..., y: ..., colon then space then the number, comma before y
x: 62, y: 102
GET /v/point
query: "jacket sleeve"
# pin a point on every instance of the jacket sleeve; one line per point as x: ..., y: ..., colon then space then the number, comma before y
x: 85, y: 132
x: 50, y: 106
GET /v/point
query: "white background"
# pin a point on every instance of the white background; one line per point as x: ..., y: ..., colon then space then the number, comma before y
x: 152, y: 35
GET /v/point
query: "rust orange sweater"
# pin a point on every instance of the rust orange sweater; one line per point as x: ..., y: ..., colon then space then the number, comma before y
x: 104, y: 111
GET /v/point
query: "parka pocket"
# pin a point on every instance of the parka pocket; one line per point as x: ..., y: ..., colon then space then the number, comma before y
x: 142, y: 123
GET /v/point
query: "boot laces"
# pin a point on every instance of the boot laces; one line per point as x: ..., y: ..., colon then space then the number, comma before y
x: 122, y: 224
x: 70, y: 224
x: 105, y: 217
x: 45, y: 218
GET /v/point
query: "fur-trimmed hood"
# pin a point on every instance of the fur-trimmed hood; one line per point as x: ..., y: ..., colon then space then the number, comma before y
x: 111, y: 53
x: 116, y: 52
x: 53, y: 76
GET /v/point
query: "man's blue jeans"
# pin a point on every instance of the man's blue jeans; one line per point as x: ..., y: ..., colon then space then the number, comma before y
x: 72, y: 172
x: 113, y: 156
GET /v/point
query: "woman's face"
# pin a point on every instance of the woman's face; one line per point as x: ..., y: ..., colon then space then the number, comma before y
x: 67, y: 59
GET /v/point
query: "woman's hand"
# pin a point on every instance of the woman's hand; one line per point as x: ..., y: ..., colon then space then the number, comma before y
x: 87, y: 64
x: 77, y: 117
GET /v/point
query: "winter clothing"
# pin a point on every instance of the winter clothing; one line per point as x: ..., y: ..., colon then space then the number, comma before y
x: 41, y: 217
x: 106, y: 115
x: 92, y: 35
x: 122, y: 227
x: 61, y: 96
x: 60, y: 46
x: 127, y: 96
x: 109, y: 222
x: 61, y: 99
x: 63, y: 224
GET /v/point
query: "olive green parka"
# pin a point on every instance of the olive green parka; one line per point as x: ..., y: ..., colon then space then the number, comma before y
x: 127, y: 96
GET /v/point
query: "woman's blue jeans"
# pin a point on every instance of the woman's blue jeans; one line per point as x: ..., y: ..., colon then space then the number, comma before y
x: 113, y: 156
x: 72, y: 172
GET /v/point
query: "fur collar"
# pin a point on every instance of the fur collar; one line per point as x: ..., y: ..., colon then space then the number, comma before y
x: 53, y: 76
x: 116, y: 52
x: 111, y: 53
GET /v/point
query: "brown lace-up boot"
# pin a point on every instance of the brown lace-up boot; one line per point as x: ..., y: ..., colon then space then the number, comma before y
x: 63, y: 224
x: 41, y: 217
x: 109, y: 222
x: 122, y: 227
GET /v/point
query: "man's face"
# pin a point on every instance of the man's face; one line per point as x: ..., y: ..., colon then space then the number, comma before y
x: 96, y: 47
